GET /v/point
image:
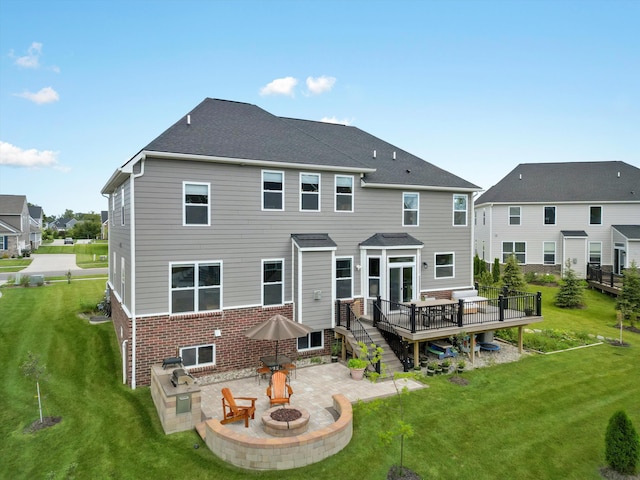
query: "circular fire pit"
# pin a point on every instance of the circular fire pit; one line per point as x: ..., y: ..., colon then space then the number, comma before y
x: 285, y: 422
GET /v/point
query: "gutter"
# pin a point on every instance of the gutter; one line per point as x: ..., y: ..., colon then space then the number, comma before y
x: 363, y: 184
x: 132, y: 227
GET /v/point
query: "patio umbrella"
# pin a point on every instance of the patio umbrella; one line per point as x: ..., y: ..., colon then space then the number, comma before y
x: 277, y: 328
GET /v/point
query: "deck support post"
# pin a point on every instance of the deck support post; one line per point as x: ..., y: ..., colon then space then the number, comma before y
x: 416, y: 354
x: 520, y: 335
x: 472, y: 353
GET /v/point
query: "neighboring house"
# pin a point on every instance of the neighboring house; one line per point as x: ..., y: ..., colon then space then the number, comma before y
x: 14, y: 225
x: 35, y: 235
x: 62, y: 225
x: 233, y: 215
x: 548, y: 213
x: 104, y: 220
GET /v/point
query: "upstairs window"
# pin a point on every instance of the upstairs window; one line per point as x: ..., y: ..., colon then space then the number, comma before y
x: 549, y: 215
x: 196, y: 287
x: 310, y: 192
x: 344, y: 193
x: 549, y: 252
x: 272, y: 190
x: 514, y: 215
x: 519, y: 249
x: 460, y: 210
x: 122, y: 206
x: 595, y: 215
x: 196, y: 203
x: 344, y: 284
x: 410, y: 209
x: 272, y: 282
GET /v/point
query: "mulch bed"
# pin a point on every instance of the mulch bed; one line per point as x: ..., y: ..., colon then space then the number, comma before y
x: 611, y: 474
x: 407, y: 474
x: 458, y: 380
x: 46, y: 422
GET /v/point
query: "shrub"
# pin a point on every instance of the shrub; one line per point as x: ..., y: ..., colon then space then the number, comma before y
x: 512, y: 277
x: 571, y: 290
x: 495, y: 271
x: 622, y: 449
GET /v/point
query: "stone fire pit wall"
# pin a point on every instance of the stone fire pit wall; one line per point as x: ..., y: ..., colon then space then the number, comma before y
x: 282, y: 453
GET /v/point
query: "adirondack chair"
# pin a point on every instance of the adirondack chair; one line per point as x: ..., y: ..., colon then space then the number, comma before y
x: 232, y: 412
x: 279, y: 391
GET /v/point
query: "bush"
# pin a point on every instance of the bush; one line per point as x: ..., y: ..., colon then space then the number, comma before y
x: 512, y: 277
x: 495, y: 271
x: 571, y: 291
x: 622, y: 449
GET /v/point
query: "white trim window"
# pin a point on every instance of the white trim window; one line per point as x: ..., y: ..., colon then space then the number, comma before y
x: 310, y: 192
x: 196, y: 287
x: 311, y: 341
x: 460, y: 210
x: 549, y: 215
x: 273, y: 282
x: 515, y: 215
x: 4, y: 242
x: 272, y: 190
x: 122, y: 222
x: 595, y: 252
x: 445, y: 265
x: 344, y: 277
x: 344, y: 193
x: 549, y: 253
x: 595, y: 215
x: 196, y: 203
x: 410, y: 209
x: 198, y: 355
x: 373, y: 273
x: 519, y: 249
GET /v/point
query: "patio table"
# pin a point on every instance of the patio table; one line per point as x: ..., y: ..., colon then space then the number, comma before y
x: 275, y: 363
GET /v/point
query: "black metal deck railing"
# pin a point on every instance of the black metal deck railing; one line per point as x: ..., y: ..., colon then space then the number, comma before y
x: 595, y: 273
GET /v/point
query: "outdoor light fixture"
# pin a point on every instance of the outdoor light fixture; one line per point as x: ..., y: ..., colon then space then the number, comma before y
x: 425, y: 265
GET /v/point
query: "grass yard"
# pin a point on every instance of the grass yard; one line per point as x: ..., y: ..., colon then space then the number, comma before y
x: 541, y: 418
x: 10, y: 265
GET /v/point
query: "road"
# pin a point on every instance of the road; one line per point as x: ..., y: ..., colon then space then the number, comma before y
x: 54, y: 265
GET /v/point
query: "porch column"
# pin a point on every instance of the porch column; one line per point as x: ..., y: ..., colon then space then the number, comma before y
x: 416, y: 354
x: 520, y: 334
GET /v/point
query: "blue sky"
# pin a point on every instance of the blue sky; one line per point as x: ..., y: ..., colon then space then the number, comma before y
x: 475, y: 87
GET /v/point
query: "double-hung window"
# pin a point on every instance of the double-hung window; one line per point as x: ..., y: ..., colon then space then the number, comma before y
x: 410, y: 209
x: 374, y: 276
x: 313, y: 340
x: 595, y: 215
x: 460, y: 210
x: 549, y: 215
x: 198, y: 356
x: 519, y: 249
x: 344, y: 193
x: 196, y: 203
x: 514, y: 216
x: 122, y: 207
x: 310, y: 192
x: 272, y: 190
x: 344, y: 278
x: 196, y: 287
x: 549, y: 253
x: 444, y: 265
x: 272, y: 282
x: 4, y: 242
x: 595, y: 252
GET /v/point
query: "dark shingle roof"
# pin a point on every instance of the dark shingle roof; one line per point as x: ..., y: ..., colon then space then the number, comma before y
x: 313, y: 240
x: 243, y: 131
x: 35, y: 211
x: 567, y: 182
x: 12, y: 204
x: 632, y: 232
x: 391, y: 240
x: 574, y: 233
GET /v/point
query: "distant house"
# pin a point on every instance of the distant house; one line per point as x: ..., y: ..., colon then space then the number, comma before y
x: 15, y: 225
x: 104, y: 220
x: 233, y: 215
x: 548, y: 213
x: 35, y: 234
x: 62, y: 225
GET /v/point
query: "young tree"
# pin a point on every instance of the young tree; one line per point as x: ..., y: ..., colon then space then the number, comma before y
x: 628, y: 301
x: 571, y: 291
x: 622, y: 445
x: 495, y: 271
x: 33, y: 369
x: 512, y: 277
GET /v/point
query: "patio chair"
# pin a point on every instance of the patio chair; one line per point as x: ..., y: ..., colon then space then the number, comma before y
x: 232, y: 412
x: 262, y: 372
x: 279, y: 391
x: 290, y: 367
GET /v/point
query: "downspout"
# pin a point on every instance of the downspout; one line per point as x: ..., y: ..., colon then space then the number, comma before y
x: 132, y: 288
x: 124, y: 361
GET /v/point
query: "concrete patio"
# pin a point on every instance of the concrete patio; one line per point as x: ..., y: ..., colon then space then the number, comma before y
x: 313, y: 387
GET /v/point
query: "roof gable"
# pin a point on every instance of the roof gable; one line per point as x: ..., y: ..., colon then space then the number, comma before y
x: 12, y: 204
x: 631, y: 232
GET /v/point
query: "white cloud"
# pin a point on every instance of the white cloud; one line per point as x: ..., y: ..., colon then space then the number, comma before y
x: 336, y: 120
x: 32, y: 58
x: 16, y: 157
x: 320, y: 84
x: 45, y: 95
x: 280, y: 86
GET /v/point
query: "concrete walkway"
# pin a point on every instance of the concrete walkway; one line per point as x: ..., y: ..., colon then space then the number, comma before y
x: 312, y: 386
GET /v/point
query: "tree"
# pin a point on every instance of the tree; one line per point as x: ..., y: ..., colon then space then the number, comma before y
x: 33, y: 369
x: 622, y: 445
x: 495, y: 271
x: 512, y: 277
x: 628, y: 301
x: 86, y: 229
x: 571, y: 292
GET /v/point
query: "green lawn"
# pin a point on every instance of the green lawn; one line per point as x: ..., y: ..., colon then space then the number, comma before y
x: 10, y: 265
x: 541, y: 418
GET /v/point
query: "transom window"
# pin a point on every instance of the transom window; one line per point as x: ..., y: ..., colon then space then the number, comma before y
x: 196, y: 203
x: 313, y: 340
x: 460, y: 210
x: 595, y: 215
x: 410, y: 209
x: 198, y: 356
x: 514, y: 215
x: 310, y: 192
x: 272, y: 282
x: 519, y: 249
x: 549, y: 215
x: 344, y: 279
x: 196, y: 287
x: 344, y: 193
x: 272, y: 190
x: 374, y: 276
x: 595, y: 252
x: 444, y: 265
x: 549, y: 253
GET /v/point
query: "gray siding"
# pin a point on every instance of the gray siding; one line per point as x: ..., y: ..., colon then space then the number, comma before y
x: 316, y: 275
x: 120, y: 243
